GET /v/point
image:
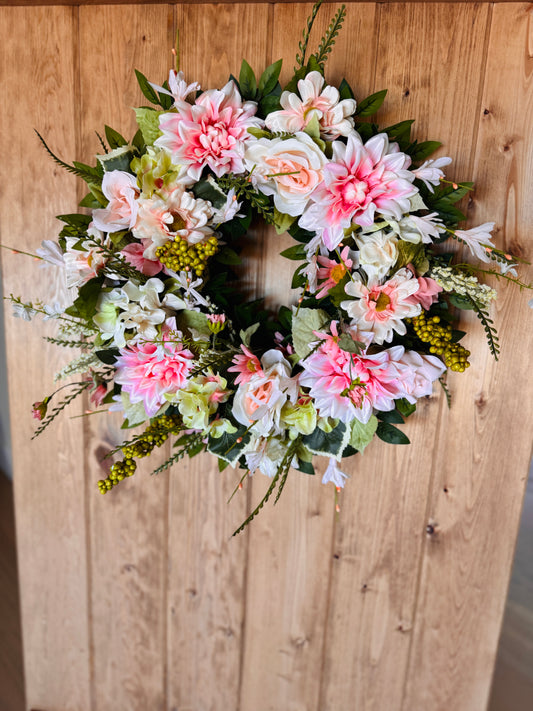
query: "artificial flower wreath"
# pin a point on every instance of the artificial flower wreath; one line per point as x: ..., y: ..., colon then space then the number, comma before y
x: 164, y: 333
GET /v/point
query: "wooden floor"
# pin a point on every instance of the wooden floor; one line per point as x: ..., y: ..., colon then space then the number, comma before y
x: 513, y: 677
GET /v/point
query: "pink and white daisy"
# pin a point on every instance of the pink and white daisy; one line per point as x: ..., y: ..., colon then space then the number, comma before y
x: 382, y: 308
x: 120, y: 188
x: 246, y: 366
x: 149, y: 371
x: 347, y: 385
x: 334, y: 116
x: 332, y: 272
x: 359, y: 181
x: 213, y: 132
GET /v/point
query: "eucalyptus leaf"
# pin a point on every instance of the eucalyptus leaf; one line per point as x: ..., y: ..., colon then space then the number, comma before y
x: 304, y: 323
x: 361, y: 434
x: 391, y: 434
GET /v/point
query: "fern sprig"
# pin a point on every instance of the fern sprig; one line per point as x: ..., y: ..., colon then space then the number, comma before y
x: 78, y: 389
x: 302, y: 45
x: 193, y: 442
x: 88, y: 175
x: 328, y: 40
x: 67, y: 343
x: 488, y: 325
x: 280, y: 476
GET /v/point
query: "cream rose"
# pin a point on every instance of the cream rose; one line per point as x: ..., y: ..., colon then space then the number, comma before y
x: 378, y: 252
x: 261, y: 398
x: 289, y: 169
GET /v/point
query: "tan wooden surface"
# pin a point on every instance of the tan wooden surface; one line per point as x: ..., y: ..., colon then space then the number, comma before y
x: 138, y: 600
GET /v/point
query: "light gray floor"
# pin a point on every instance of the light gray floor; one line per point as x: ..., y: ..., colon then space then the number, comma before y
x: 512, y: 688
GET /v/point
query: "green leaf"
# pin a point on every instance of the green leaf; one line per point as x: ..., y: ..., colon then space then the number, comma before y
x: 361, y: 434
x: 392, y: 416
x: 313, y: 65
x: 461, y: 302
x: 138, y: 142
x: 329, y: 444
x: 313, y: 128
x: 282, y: 222
x: 187, y: 320
x: 369, y: 106
x: 298, y: 279
x: 269, y: 104
x: 226, y: 447
x: 118, y: 159
x: 146, y: 89
x: 108, y: 356
x: 420, y: 151
x: 304, y: 323
x: 415, y: 254
x: 209, y: 190
x: 76, y: 220
x: 345, y: 90
x: 222, y: 465
x: 347, y: 343
x: 247, y: 333
x: 305, y: 467
x: 227, y: 256
x: 405, y: 407
x: 247, y: 81
x: 269, y: 78
x: 89, y: 201
x: 391, y: 434
x: 85, y: 305
x: 148, y: 122
x: 114, y: 138
x: 400, y: 132
x: 337, y: 293
x: 296, y: 253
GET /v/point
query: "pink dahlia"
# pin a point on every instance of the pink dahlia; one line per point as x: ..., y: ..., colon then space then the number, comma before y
x: 212, y: 132
x: 149, y: 371
x: 359, y: 181
x: 346, y: 385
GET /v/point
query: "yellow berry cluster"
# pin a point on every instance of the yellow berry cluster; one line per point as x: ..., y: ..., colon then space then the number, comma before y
x: 178, y: 255
x: 439, y: 336
x: 456, y: 358
x: 153, y: 436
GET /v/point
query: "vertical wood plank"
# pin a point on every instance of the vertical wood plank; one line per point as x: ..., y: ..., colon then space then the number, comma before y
x: 37, y: 72
x: 381, y: 529
x: 290, y: 544
x: 207, y: 569
x: 484, y: 452
x: 128, y: 525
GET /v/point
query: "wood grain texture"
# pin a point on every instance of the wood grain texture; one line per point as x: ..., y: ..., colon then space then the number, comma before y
x: 129, y: 525
x: 37, y: 65
x: 482, y: 459
x: 288, y: 573
x: 378, y: 545
x: 207, y: 569
x: 138, y: 598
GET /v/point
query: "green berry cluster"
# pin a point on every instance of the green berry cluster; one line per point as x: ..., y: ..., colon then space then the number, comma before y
x: 178, y: 255
x: 439, y: 336
x: 153, y: 436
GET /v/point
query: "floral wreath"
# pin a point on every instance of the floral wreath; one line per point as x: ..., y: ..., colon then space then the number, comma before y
x: 167, y: 338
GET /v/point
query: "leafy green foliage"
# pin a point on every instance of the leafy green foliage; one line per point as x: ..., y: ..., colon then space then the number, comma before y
x: 370, y: 105
x: 391, y: 434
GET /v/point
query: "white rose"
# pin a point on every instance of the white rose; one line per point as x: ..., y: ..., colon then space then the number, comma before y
x: 378, y: 252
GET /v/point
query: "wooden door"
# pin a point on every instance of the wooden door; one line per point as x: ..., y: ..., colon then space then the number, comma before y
x: 140, y: 600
